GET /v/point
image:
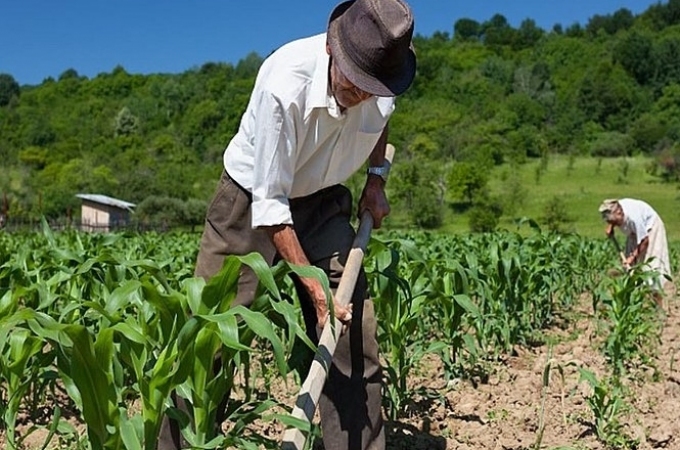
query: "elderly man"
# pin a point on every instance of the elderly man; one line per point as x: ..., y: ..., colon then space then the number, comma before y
x: 318, y: 112
x: 645, y: 237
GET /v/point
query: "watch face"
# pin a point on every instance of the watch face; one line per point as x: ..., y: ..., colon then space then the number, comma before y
x: 380, y: 171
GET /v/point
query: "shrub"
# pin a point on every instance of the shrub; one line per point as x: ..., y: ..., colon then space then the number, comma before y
x: 611, y: 143
x: 426, y: 210
x: 555, y: 214
x: 484, y: 216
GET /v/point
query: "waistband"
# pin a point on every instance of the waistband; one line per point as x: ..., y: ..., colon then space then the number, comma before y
x: 226, y: 178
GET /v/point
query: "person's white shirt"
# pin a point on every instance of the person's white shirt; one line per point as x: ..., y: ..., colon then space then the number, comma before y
x: 638, y: 218
x: 293, y: 140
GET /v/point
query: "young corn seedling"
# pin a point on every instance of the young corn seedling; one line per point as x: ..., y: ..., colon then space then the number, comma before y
x: 401, y: 305
x: 607, y: 405
x: 632, y: 323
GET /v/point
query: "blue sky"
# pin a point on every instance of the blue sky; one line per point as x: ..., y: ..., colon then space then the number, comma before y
x: 41, y: 38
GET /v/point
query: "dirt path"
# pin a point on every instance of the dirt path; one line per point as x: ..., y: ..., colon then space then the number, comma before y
x: 505, y: 413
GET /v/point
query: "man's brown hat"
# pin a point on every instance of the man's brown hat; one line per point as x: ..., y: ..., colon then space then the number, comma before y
x: 370, y: 42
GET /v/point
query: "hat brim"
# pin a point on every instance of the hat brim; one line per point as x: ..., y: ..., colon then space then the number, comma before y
x: 391, y: 87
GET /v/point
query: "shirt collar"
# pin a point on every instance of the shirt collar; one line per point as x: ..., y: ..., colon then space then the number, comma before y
x: 319, y: 92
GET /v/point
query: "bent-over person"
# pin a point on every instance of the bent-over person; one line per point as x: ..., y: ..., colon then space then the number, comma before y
x: 646, y: 242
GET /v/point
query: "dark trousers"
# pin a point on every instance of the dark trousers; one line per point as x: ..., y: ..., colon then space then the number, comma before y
x: 350, y: 405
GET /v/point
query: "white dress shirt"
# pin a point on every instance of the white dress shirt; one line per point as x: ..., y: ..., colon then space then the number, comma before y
x: 638, y: 218
x: 293, y: 140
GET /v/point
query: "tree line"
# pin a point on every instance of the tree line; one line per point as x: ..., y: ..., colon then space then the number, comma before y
x: 485, y: 94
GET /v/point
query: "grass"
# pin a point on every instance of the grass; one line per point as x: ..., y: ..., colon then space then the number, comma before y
x: 581, y: 185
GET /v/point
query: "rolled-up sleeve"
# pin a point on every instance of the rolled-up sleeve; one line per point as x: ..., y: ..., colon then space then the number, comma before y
x: 274, y: 162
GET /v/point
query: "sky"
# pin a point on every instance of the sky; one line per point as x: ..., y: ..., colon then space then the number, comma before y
x: 43, y: 38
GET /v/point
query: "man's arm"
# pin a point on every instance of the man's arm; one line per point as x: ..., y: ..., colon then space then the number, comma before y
x: 638, y: 252
x: 287, y: 244
x: 373, y: 196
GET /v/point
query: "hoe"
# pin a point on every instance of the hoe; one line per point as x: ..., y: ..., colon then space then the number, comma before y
x: 308, y: 397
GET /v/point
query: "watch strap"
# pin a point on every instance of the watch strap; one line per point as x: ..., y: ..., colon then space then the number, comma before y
x: 381, y: 171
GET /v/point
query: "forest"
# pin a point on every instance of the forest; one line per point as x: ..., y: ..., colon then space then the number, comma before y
x: 486, y: 94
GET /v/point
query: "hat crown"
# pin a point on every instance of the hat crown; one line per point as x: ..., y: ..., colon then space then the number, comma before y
x: 374, y: 39
x: 375, y: 34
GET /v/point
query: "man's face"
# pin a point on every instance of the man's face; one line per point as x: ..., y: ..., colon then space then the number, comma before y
x: 616, y: 216
x: 345, y: 93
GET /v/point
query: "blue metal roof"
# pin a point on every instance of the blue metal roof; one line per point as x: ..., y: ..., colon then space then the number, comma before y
x: 106, y: 200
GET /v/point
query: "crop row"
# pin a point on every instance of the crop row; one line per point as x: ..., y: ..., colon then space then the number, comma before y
x: 91, y: 324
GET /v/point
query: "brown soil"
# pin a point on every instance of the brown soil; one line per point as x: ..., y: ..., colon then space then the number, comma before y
x: 506, y: 412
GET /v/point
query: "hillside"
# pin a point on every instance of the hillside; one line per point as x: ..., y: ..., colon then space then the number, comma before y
x: 488, y: 99
x: 580, y: 185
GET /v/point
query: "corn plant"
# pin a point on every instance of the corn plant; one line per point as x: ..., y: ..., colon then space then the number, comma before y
x: 114, y: 328
x: 608, y: 405
x: 631, y: 320
x: 17, y: 368
x: 451, y: 304
x: 125, y: 309
x: 400, y: 304
x: 550, y: 365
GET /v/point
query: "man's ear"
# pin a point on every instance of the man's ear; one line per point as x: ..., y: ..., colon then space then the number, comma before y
x: 328, y: 48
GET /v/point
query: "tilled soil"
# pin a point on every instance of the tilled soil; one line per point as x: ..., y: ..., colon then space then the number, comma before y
x: 506, y: 412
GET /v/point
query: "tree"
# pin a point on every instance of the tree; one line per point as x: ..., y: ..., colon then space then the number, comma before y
x: 466, y: 29
x: 497, y: 21
x: 9, y: 88
x: 607, y: 95
x: 248, y: 66
x: 467, y: 179
x: 484, y: 216
x: 667, y: 57
x: 597, y: 23
x: 498, y: 32
x: 622, y: 19
x: 673, y: 12
x: 419, y: 191
x: 160, y: 210
x: 34, y: 157
x: 514, y: 193
x: 667, y: 163
x: 528, y: 34
x: 126, y: 123
x: 574, y: 30
x: 635, y: 54
x: 200, y: 121
x: 647, y: 131
x: 526, y: 141
x: 555, y: 215
x: 611, y: 143
x: 194, y: 212
x: 426, y: 211
x: 68, y: 74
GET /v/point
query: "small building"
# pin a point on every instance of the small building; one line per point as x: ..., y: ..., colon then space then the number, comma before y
x: 103, y: 213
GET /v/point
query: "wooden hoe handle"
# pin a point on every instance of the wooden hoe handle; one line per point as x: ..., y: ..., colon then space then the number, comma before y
x: 310, y: 392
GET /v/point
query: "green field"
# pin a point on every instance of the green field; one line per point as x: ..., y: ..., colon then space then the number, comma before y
x: 96, y: 331
x: 581, y: 187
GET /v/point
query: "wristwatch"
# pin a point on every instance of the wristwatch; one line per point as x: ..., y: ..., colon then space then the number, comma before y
x: 381, y: 171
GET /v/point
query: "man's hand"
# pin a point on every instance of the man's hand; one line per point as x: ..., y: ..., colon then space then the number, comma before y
x: 374, y: 200
x: 343, y: 313
x: 288, y: 245
x: 627, y: 263
x: 609, y: 231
